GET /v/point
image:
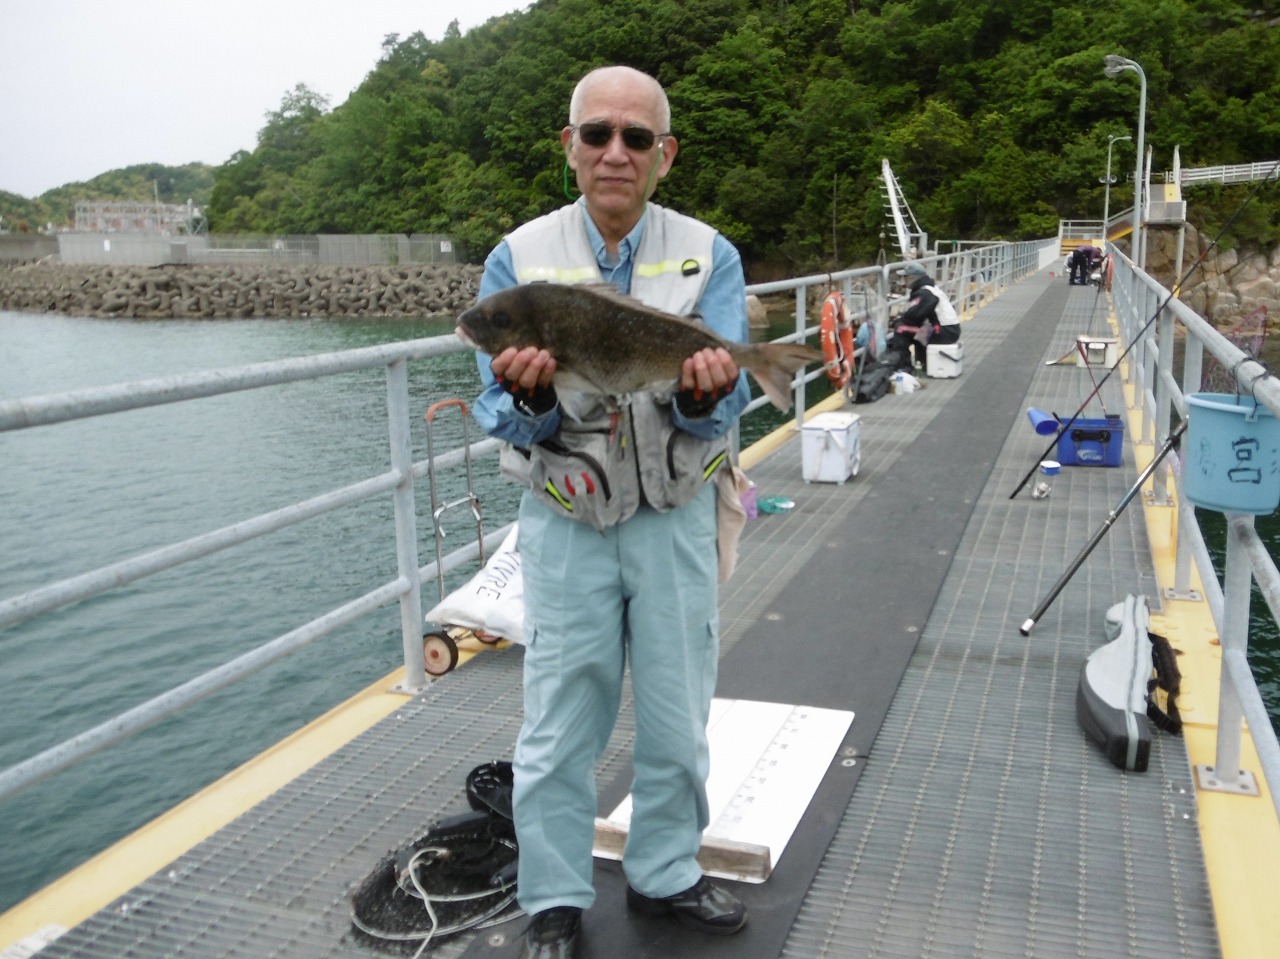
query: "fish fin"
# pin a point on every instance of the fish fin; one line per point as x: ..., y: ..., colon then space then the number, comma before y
x: 571, y: 380
x: 772, y: 365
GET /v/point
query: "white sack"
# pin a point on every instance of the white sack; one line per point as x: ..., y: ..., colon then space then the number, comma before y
x: 492, y: 601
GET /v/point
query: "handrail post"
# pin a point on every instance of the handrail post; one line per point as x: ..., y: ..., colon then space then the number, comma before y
x: 406, y: 524
x: 1164, y: 403
x: 1237, y: 579
x: 802, y: 323
x: 1192, y: 372
x: 1149, y: 382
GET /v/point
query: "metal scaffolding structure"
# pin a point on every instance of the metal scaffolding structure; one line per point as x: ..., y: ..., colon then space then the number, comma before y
x: 156, y: 219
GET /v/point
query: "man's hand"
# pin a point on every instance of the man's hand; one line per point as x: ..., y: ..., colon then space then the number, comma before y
x: 526, y: 374
x: 705, y: 377
x: 526, y: 368
x: 709, y: 371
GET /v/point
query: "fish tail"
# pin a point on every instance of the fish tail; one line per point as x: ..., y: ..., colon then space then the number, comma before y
x: 772, y: 365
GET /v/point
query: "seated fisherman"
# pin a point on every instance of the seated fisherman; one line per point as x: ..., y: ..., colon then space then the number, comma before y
x: 928, y: 318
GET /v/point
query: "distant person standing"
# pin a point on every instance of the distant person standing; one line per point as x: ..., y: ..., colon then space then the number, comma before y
x: 1081, y: 263
x: 617, y: 529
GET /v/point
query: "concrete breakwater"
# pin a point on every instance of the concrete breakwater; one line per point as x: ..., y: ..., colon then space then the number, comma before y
x: 238, y: 290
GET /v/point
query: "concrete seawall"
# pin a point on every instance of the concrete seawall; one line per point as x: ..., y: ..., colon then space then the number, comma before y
x: 248, y: 290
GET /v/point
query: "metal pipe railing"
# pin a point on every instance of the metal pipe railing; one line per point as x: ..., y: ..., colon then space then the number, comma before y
x: 988, y: 270
x: 1148, y: 314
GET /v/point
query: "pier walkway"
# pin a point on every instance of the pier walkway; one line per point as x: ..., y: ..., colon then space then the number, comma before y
x: 966, y: 816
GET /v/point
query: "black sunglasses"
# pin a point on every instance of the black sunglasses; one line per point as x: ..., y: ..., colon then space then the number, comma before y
x: 640, y: 139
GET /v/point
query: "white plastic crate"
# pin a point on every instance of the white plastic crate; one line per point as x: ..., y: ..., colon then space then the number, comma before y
x: 832, y: 447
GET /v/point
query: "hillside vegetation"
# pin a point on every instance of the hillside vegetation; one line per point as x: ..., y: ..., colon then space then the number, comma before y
x: 994, y: 115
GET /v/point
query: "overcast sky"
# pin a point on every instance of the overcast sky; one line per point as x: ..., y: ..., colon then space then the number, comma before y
x: 88, y: 86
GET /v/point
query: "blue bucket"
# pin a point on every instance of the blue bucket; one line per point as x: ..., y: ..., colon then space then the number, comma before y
x: 1232, y: 455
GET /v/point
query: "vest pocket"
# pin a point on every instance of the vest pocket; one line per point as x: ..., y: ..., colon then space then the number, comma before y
x: 571, y: 473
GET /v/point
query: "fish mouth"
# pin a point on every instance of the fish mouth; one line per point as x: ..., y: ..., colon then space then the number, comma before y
x: 460, y: 331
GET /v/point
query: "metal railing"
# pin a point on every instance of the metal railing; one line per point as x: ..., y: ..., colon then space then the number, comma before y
x: 1079, y: 230
x: 1150, y: 319
x: 970, y: 277
x: 1239, y: 173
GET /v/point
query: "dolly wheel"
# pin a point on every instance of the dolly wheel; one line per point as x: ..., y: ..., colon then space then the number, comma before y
x: 487, y: 638
x: 440, y: 653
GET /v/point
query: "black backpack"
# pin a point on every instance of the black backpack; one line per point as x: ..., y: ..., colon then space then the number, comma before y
x: 872, y: 381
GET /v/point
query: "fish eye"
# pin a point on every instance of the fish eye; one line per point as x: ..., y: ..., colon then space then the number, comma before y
x: 501, y: 320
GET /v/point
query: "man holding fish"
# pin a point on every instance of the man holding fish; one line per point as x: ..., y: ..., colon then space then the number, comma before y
x: 615, y: 408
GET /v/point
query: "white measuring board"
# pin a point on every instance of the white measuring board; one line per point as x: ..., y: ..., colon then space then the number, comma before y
x: 767, y: 760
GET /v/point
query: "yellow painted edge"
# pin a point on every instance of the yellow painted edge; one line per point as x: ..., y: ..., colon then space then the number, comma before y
x: 768, y: 444
x: 78, y: 894
x: 1239, y: 835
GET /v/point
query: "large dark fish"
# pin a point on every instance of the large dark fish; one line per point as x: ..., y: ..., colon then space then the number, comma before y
x: 604, y: 342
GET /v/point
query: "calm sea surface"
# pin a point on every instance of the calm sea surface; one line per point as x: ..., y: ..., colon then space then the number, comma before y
x: 77, y: 495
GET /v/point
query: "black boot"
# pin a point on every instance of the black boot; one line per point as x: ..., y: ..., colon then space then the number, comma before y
x: 553, y: 934
x: 703, y: 906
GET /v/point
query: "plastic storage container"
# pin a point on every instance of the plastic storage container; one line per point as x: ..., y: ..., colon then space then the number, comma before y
x: 832, y: 447
x: 944, y: 361
x: 1092, y: 442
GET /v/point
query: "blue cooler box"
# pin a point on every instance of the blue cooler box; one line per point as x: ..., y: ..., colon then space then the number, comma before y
x: 1092, y: 442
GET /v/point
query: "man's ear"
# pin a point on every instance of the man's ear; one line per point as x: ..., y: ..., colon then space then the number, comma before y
x: 566, y: 141
x: 668, y: 147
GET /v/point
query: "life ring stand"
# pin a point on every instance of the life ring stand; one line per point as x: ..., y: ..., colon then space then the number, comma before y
x: 837, y: 340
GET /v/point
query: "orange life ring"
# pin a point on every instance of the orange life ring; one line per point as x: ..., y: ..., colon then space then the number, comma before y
x: 837, y: 340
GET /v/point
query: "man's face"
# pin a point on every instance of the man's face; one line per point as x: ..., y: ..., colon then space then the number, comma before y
x: 616, y: 179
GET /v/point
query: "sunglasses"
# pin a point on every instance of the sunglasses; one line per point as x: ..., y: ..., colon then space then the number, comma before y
x: 640, y: 139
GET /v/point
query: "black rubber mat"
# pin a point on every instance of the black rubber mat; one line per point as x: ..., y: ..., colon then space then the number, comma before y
x: 888, y: 564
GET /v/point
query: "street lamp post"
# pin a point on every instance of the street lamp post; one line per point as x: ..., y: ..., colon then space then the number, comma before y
x: 1106, y: 202
x: 1113, y: 66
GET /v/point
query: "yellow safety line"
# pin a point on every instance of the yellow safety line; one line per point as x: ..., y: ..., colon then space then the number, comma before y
x: 1240, y: 835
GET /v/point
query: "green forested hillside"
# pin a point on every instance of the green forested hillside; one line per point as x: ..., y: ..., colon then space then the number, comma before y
x: 994, y: 115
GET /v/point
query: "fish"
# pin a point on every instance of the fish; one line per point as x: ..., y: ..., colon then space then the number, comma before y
x: 607, y: 343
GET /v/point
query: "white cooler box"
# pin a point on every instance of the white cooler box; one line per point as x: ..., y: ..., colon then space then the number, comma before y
x: 1097, y: 350
x: 832, y: 450
x: 944, y: 360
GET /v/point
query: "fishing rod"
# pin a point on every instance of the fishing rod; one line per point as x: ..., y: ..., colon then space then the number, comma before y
x: 1083, y: 350
x: 1097, y: 295
x: 866, y: 350
x: 1170, y: 443
x: 1253, y: 194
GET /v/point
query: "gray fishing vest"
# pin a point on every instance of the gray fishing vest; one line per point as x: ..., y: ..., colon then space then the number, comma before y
x: 613, y: 454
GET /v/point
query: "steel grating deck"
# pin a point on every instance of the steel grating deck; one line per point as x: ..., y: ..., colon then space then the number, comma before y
x: 982, y: 824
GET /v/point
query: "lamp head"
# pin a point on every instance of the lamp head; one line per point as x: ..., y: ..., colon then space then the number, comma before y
x: 1114, y: 65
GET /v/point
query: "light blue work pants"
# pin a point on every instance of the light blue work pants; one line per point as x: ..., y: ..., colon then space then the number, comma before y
x: 643, y: 591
